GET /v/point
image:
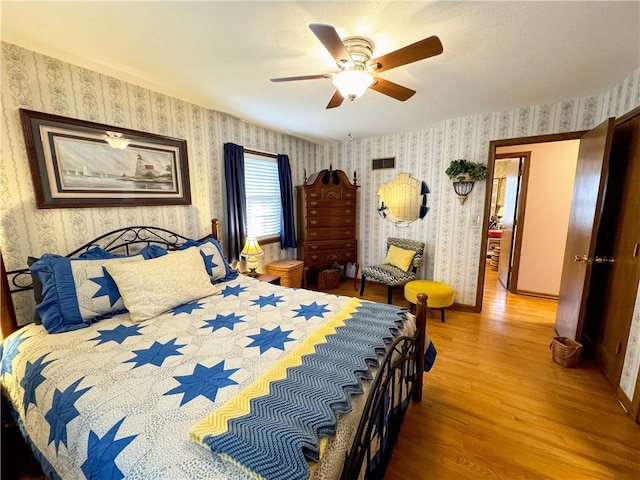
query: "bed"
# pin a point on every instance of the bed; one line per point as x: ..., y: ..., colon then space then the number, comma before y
x: 151, y: 357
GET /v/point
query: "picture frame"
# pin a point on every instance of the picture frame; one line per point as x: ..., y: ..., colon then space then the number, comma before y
x: 77, y: 164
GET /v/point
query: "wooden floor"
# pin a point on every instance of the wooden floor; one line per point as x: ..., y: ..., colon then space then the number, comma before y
x: 496, y: 406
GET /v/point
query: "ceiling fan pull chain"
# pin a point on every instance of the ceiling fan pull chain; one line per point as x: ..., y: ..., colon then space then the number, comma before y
x: 349, y: 117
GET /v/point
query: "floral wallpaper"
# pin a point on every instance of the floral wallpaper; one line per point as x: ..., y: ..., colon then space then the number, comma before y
x: 37, y: 82
x: 452, y: 231
x: 631, y: 366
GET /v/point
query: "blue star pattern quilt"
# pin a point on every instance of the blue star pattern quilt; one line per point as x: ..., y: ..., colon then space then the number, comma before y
x: 118, y: 399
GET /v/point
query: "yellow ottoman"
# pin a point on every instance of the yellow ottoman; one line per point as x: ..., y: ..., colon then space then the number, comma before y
x: 439, y: 295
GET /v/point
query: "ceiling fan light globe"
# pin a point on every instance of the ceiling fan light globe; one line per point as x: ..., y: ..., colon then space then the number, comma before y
x: 352, y: 83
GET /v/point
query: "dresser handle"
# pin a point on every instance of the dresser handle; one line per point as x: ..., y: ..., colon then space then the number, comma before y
x: 347, y: 211
x: 313, y: 222
x: 313, y: 194
x: 313, y: 234
x: 348, y: 245
x: 314, y: 247
x: 314, y: 257
x: 314, y: 212
x: 347, y: 232
x: 347, y: 203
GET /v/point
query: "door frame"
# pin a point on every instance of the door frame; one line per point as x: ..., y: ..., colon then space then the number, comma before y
x: 519, y: 209
x: 493, y: 145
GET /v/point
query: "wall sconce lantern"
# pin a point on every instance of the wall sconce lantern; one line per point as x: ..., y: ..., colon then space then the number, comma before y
x: 463, y: 189
x: 464, y: 175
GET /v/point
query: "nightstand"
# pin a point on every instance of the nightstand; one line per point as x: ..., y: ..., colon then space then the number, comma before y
x: 273, y: 279
x: 263, y: 277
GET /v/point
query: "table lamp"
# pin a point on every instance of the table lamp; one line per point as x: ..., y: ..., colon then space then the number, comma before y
x: 252, y: 250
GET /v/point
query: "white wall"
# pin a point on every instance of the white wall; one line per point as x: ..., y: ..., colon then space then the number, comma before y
x: 548, y: 204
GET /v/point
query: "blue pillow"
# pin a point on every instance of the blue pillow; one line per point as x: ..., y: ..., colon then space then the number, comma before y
x: 76, y: 292
x: 214, y: 260
x: 96, y: 253
x: 150, y: 251
x: 153, y: 251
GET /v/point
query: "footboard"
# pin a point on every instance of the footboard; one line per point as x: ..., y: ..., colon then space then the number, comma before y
x: 399, y: 379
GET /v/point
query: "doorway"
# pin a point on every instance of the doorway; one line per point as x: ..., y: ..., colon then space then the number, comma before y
x: 535, y: 210
x: 516, y: 172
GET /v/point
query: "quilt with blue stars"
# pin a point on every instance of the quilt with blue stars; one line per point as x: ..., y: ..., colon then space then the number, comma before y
x: 118, y: 399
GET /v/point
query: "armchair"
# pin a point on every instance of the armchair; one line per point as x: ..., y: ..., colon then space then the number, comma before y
x: 392, y: 275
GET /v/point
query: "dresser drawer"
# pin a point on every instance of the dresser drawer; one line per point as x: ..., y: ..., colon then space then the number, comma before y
x: 337, y: 203
x: 323, y: 258
x: 336, y: 221
x: 329, y: 245
x: 328, y: 233
x: 330, y: 194
x: 343, y: 210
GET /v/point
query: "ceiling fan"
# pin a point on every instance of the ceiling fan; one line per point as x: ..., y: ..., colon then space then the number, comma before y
x: 358, y: 70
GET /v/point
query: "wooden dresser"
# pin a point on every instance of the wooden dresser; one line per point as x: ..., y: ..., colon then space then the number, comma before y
x: 327, y: 209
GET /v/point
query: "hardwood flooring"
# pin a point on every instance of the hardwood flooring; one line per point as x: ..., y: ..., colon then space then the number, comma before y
x: 495, y: 405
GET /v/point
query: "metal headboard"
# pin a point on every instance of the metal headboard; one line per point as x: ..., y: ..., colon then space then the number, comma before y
x: 126, y: 240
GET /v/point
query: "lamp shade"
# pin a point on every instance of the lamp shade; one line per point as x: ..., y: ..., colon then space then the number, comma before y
x: 251, y: 248
x: 352, y: 83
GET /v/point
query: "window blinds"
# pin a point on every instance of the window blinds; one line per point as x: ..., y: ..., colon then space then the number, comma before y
x: 262, y: 189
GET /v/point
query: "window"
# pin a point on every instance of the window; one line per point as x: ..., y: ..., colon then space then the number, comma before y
x: 262, y: 189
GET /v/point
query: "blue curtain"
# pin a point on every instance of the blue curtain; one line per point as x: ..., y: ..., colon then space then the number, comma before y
x: 287, y: 225
x: 236, y: 200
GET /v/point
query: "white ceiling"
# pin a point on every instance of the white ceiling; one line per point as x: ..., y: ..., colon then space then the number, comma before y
x: 221, y: 55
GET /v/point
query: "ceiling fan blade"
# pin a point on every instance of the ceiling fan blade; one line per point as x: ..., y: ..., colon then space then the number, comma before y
x: 331, y: 41
x: 336, y: 100
x: 301, y: 77
x: 428, y: 47
x: 392, y: 89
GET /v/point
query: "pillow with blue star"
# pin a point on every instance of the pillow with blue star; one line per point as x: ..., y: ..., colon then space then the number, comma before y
x: 76, y: 292
x: 160, y: 284
x: 214, y: 260
x: 95, y: 253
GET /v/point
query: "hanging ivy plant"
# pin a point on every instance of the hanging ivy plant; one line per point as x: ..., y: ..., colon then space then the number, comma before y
x: 462, y: 170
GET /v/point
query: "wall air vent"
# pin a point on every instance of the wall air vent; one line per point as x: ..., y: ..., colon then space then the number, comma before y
x: 380, y: 163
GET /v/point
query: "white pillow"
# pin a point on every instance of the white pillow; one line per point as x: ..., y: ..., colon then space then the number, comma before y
x: 154, y: 286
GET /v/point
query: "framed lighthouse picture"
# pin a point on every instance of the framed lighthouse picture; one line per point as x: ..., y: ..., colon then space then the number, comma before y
x: 77, y: 164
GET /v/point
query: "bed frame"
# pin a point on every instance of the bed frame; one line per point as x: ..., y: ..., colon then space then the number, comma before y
x: 400, y: 373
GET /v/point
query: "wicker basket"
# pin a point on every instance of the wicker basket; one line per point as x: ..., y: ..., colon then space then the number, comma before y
x: 328, y: 279
x: 565, y: 352
x: 289, y: 271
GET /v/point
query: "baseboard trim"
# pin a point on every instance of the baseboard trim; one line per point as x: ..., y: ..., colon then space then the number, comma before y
x: 536, y: 294
x: 461, y: 306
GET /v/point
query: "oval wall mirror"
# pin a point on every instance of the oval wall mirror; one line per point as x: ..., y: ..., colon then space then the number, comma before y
x: 403, y: 200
